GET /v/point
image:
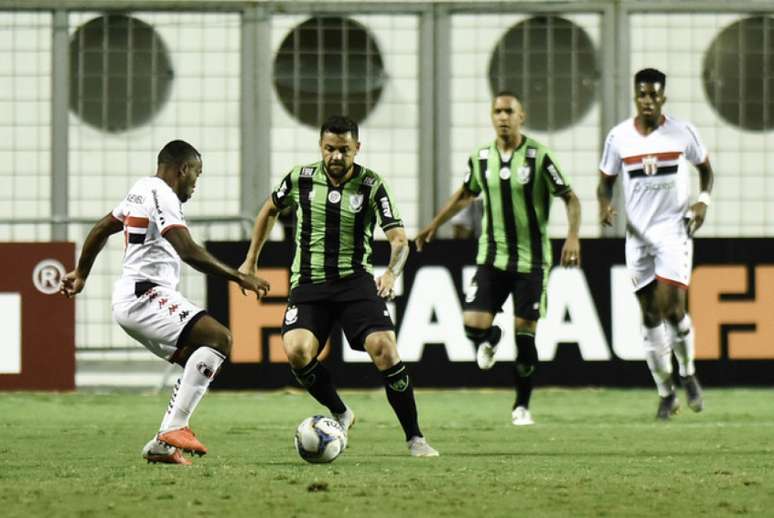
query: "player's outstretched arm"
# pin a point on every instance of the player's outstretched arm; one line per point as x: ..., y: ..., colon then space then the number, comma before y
x: 458, y: 201
x: 571, y: 253
x: 264, y: 222
x: 699, y: 209
x: 74, y: 281
x: 605, y: 198
x: 196, y: 256
x: 399, y: 252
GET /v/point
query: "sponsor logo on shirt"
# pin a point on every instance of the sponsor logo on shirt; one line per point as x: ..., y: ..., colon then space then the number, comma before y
x: 135, y: 198
x: 386, y: 210
x: 531, y: 152
x: 483, y: 153
x: 555, y: 174
x: 370, y: 181
x: 307, y: 172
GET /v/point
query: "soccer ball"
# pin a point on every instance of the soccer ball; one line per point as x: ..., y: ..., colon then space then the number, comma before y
x: 319, y: 439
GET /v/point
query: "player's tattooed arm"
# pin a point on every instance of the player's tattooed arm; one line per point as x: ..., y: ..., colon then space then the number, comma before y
x: 605, y: 198
x: 264, y: 223
x: 699, y: 209
x: 458, y: 201
x: 399, y: 252
x: 571, y: 255
x: 74, y: 281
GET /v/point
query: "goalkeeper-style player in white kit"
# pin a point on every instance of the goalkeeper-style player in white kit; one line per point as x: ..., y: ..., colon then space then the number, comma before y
x: 651, y: 151
x: 146, y: 303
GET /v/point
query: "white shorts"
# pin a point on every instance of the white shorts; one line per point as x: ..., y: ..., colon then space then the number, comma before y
x: 669, y: 260
x: 156, y: 319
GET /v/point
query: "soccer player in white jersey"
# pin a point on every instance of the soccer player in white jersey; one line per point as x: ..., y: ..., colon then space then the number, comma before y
x: 651, y: 151
x: 146, y: 303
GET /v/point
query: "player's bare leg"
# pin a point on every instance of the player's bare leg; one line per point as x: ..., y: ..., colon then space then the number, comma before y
x: 205, y: 348
x: 526, y: 363
x: 672, y: 300
x: 485, y: 336
x: 383, y: 349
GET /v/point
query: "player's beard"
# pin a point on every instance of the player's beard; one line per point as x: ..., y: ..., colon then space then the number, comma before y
x: 337, y: 170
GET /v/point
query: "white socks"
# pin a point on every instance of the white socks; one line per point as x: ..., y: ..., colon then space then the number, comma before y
x: 681, y: 338
x: 199, y: 371
x: 659, y: 358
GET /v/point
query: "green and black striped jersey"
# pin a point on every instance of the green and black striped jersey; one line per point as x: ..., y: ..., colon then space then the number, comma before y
x: 517, y: 201
x: 335, y: 225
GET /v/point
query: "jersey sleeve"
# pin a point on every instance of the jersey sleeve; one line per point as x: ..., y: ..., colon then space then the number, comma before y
x: 284, y: 195
x: 167, y: 211
x: 695, y: 153
x: 119, y: 212
x: 611, y: 157
x: 558, y: 183
x: 386, y: 213
x: 470, y: 182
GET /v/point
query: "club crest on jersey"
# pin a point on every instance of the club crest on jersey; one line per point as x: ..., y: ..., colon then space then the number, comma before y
x: 524, y: 174
x: 334, y: 196
x: 291, y: 315
x: 505, y: 173
x: 356, y: 202
x: 650, y: 165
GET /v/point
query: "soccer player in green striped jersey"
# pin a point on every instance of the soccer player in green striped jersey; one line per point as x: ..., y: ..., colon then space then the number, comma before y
x: 517, y: 177
x: 338, y: 203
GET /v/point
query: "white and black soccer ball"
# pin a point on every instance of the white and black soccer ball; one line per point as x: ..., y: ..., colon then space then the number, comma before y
x: 320, y: 439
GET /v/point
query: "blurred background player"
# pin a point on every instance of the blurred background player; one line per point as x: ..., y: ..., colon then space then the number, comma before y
x: 337, y: 204
x: 518, y: 177
x: 651, y: 151
x: 146, y: 303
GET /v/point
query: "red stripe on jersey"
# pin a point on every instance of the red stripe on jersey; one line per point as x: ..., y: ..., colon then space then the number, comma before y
x: 133, y: 221
x: 662, y: 157
x: 171, y: 227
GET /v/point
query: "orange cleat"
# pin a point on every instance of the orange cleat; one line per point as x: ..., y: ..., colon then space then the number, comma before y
x: 183, y: 439
x: 156, y: 451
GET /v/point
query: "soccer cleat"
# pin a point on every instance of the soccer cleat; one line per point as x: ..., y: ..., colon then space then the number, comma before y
x: 183, y: 439
x: 486, y: 350
x: 346, y: 421
x: 156, y: 451
x: 693, y: 393
x: 667, y: 407
x: 521, y: 417
x: 418, y: 447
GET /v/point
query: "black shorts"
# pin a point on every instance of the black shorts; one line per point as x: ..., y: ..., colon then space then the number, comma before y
x: 490, y: 288
x: 352, y: 303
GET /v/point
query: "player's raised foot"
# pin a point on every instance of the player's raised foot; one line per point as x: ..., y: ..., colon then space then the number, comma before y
x: 156, y: 451
x: 183, y: 439
x: 346, y: 420
x: 521, y: 416
x: 694, y: 394
x: 418, y: 447
x: 667, y: 407
x: 485, y: 355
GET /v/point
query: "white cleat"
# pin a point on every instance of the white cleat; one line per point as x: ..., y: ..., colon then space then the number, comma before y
x: 485, y: 355
x: 345, y: 420
x: 521, y: 417
x: 418, y: 447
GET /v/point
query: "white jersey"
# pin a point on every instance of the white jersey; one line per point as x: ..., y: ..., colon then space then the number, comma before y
x: 655, y: 169
x: 149, y: 210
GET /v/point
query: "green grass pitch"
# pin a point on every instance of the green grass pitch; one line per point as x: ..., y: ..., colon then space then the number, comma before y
x: 591, y: 453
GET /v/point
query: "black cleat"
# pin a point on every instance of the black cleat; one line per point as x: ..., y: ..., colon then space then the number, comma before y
x: 667, y: 407
x: 693, y: 393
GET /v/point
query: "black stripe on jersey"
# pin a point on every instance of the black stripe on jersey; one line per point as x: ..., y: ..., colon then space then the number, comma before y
x: 638, y: 173
x: 332, y: 234
x: 359, y: 246
x: 535, y: 241
x: 509, y: 218
x: 491, y: 248
x: 305, y: 186
x: 281, y: 202
x: 136, y: 239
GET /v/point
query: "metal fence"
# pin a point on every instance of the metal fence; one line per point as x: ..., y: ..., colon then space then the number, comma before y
x: 90, y: 90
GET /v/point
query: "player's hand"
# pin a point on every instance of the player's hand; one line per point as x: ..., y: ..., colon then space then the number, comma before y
x: 384, y: 285
x: 425, y: 236
x: 248, y: 268
x: 698, y: 213
x: 249, y: 282
x: 607, y: 215
x: 571, y: 252
x: 72, y: 284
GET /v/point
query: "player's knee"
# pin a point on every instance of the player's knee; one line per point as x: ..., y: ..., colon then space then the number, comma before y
x: 223, y: 342
x: 299, y: 354
x: 651, y: 318
x: 382, y: 349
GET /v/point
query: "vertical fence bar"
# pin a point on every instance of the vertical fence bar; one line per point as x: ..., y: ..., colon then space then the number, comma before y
x: 60, y: 99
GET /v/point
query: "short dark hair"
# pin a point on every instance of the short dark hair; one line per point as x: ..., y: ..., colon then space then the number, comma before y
x: 178, y: 152
x: 650, y: 75
x: 339, y: 124
x: 507, y: 93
